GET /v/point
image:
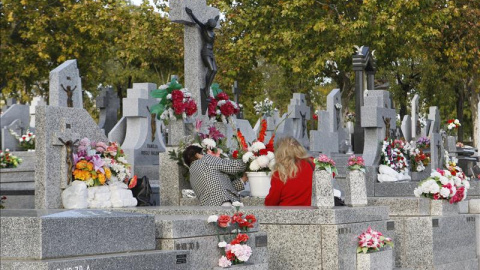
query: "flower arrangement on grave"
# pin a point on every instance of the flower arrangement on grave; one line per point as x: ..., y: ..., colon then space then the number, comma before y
x: 393, y: 154
x: 88, y: 166
x: 175, y: 102
x: 27, y: 140
x: 220, y: 107
x: 418, y: 159
x: 452, y: 126
x: 258, y: 156
x: 233, y: 237
x: 350, y: 117
x: 356, y: 163
x: 372, y: 241
x: 264, y: 108
x: 2, y: 201
x: 451, y: 185
x: 7, y: 160
x: 423, y: 143
x: 315, y: 116
x: 323, y: 162
x: 115, y: 159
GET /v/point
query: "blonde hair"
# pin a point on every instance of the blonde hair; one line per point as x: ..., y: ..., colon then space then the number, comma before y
x: 288, y: 153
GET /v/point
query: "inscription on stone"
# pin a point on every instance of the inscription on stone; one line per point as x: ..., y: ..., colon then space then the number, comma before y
x: 150, y: 152
x: 181, y: 258
x: 261, y: 241
x: 470, y: 219
x: 390, y: 225
x: 344, y: 230
x: 77, y: 267
x: 187, y: 246
x: 435, y: 222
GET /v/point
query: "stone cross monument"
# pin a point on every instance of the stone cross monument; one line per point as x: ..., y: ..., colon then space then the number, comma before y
x: 108, y: 103
x: 194, y: 68
x: 65, y: 88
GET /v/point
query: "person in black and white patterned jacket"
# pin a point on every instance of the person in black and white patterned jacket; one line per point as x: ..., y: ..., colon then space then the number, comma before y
x: 209, y: 176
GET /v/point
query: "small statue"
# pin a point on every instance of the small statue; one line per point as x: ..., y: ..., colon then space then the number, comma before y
x: 304, y: 124
x: 387, y: 127
x: 153, y: 124
x: 69, y: 159
x: 208, y: 38
x: 69, y: 91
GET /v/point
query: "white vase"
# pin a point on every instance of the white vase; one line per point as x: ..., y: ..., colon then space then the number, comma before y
x: 350, y: 127
x: 375, y: 260
x: 259, y: 183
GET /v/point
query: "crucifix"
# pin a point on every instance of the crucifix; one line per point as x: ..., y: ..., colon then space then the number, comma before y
x: 153, y: 124
x: 199, y: 62
x: 68, y: 139
x: 69, y: 145
x: 69, y: 92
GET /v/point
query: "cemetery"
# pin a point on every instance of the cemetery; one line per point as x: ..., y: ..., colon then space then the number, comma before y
x: 112, y: 191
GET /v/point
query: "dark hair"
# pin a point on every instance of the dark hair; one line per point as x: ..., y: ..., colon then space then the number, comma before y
x: 189, y: 155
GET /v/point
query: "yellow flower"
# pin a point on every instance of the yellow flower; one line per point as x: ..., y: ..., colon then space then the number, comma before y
x: 81, y: 175
x: 108, y: 173
x: 101, y: 178
x: 90, y: 166
x: 81, y: 164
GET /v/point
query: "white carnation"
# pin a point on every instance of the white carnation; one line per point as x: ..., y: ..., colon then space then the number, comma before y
x: 254, y: 166
x: 271, y: 165
x: 222, y: 244
x: 247, y: 156
x: 169, y: 96
x: 418, y: 191
x: 257, y: 146
x: 270, y: 155
x: 263, y: 161
x: 466, y: 184
x: 209, y: 143
x: 237, y: 204
x: 212, y: 218
x: 436, y: 174
x: 444, y: 180
x: 445, y: 192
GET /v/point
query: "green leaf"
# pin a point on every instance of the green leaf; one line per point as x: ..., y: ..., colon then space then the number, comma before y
x: 216, y: 89
x: 159, y: 93
x: 157, y: 109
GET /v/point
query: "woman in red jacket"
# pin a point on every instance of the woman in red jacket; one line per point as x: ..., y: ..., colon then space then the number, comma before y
x: 291, y: 183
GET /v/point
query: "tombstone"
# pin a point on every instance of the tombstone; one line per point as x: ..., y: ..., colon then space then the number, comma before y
x: 17, y: 118
x: 55, y: 124
x: 330, y: 136
x: 407, y: 128
x: 436, y: 143
x: 9, y: 103
x: 108, y: 103
x: 36, y: 101
x: 365, y: 68
x: 194, y: 68
x: 143, y: 138
x: 295, y: 124
x: 236, y: 94
x: 414, y: 108
x: 374, y: 113
x: 65, y: 89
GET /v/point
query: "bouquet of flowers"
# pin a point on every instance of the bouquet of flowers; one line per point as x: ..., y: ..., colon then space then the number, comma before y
x: 418, y: 160
x: 356, y: 163
x: 89, y: 166
x: 315, y: 116
x: 392, y: 154
x: 220, y: 107
x: 350, y: 117
x: 7, y: 160
x: 27, y: 141
x: 323, y: 162
x: 371, y: 241
x: 423, y: 143
x: 257, y: 156
x: 175, y: 102
x: 115, y: 159
x: 452, y: 126
x: 264, y: 108
x: 451, y: 185
x: 234, y: 239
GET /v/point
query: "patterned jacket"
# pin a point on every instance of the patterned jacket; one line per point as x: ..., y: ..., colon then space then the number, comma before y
x: 210, y: 180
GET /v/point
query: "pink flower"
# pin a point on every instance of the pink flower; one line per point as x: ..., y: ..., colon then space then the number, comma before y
x: 224, y: 262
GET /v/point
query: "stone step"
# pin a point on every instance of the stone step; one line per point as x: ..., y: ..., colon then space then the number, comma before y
x: 48, y: 234
x: 161, y: 260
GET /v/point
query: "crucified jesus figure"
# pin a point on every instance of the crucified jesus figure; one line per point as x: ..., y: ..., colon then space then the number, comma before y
x: 69, y: 91
x: 208, y: 38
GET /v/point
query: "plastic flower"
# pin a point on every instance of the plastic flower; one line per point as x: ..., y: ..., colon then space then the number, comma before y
x: 208, y: 143
x: 212, y: 218
x: 224, y: 262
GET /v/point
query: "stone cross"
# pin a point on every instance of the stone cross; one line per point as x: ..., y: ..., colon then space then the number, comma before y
x: 194, y: 68
x: 407, y: 127
x: 108, y: 103
x: 374, y: 112
x: 65, y: 89
x: 434, y: 116
x: 365, y: 68
x: 36, y: 101
x: 236, y: 94
x: 68, y: 139
x: 414, y: 108
x: 299, y: 114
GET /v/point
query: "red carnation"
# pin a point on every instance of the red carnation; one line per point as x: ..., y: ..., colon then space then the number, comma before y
x: 227, y: 109
x: 223, y: 221
x: 251, y: 218
x: 222, y: 96
x: 237, y: 218
x: 263, y: 152
x: 235, y: 154
x: 235, y: 242
x: 212, y: 107
x: 450, y: 121
x: 190, y: 107
x: 177, y: 95
x: 315, y: 117
x: 241, y: 237
x: 230, y: 256
x: 178, y: 107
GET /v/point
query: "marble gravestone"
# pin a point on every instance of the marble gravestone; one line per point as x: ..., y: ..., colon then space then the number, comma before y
x: 65, y: 88
x: 108, y: 103
x: 436, y: 144
x: 415, y: 109
x: 295, y: 124
x: 36, y: 101
x: 143, y: 138
x: 330, y: 137
x: 194, y: 69
x: 16, y: 117
x: 407, y: 128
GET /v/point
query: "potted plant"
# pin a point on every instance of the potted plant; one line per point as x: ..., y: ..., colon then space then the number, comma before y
x: 372, y: 252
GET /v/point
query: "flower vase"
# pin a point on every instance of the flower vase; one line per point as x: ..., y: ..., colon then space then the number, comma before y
x: 356, y: 190
x: 376, y: 260
x: 259, y: 183
x: 451, y: 143
x: 177, y: 130
x: 350, y: 127
x: 322, y: 189
x: 419, y: 176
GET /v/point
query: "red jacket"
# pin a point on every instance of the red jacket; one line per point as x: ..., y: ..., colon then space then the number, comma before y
x: 297, y: 191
